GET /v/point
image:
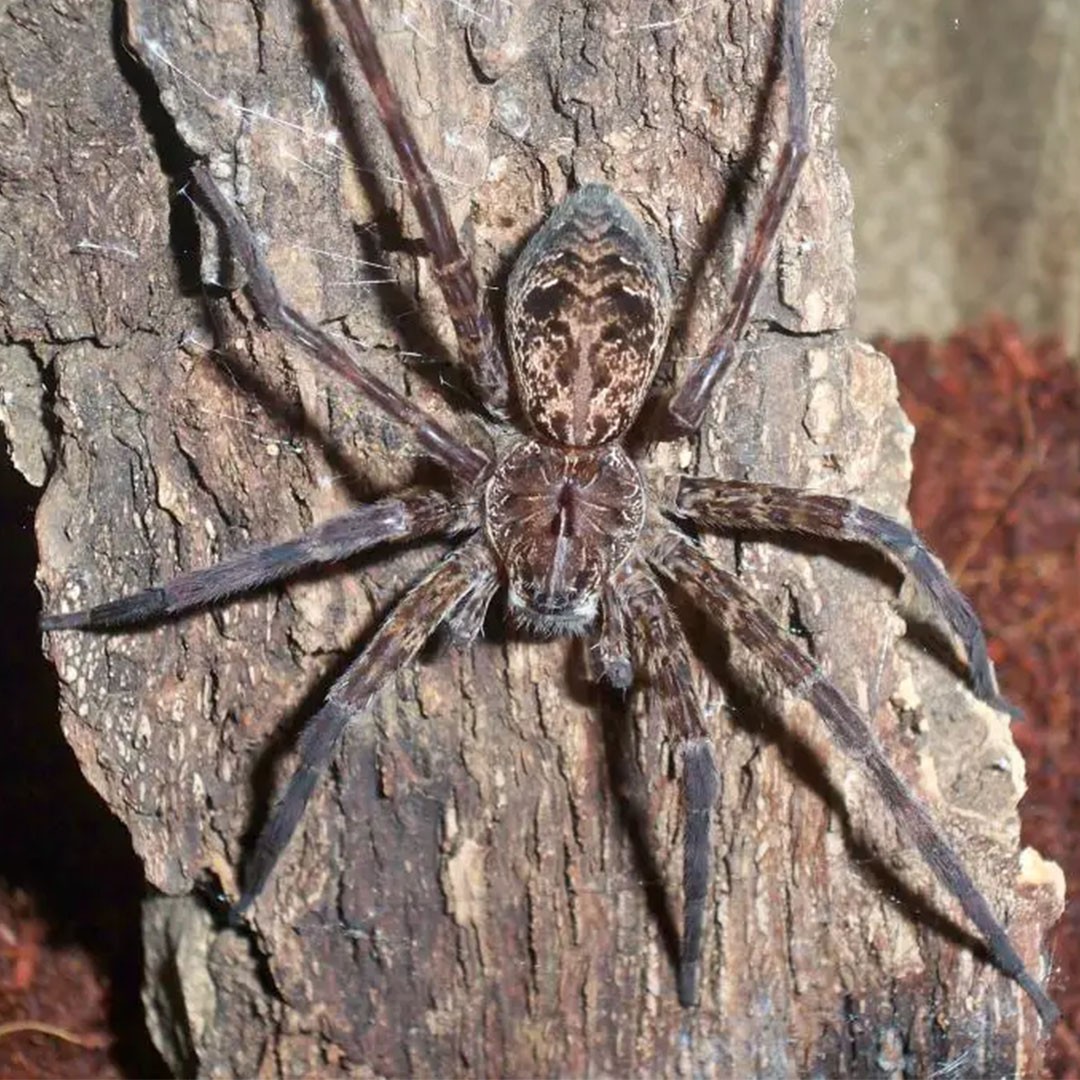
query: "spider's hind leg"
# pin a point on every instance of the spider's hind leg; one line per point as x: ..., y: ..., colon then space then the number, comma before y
x: 662, y: 654
x: 723, y: 597
x: 395, y: 643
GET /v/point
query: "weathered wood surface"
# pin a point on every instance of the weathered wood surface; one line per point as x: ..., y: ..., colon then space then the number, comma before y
x: 466, y: 895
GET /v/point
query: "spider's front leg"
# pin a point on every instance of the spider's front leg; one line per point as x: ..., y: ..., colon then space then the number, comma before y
x: 661, y: 654
x: 462, y: 460
x: 478, y: 343
x: 738, y: 507
x: 722, y: 596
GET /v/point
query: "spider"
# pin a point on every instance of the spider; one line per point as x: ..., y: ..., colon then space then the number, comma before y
x: 561, y: 518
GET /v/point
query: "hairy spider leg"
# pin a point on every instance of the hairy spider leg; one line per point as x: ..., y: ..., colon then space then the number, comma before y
x: 720, y: 595
x: 464, y: 461
x: 396, y: 642
x: 739, y: 507
x: 466, y: 622
x: 408, y: 516
x: 609, y: 651
x: 450, y: 585
x: 684, y: 411
x: 481, y: 352
x: 661, y: 652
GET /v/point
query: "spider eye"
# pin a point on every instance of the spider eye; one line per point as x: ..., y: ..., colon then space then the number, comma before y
x: 557, y: 602
x: 564, y: 609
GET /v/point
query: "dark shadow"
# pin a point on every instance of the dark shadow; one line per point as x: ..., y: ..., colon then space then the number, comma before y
x: 714, y: 240
x: 630, y: 793
x: 267, y: 780
x: 289, y: 415
x: 62, y: 846
x: 173, y: 154
x: 629, y: 789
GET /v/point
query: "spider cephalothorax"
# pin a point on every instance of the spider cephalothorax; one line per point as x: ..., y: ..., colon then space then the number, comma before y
x: 561, y: 518
x: 561, y: 522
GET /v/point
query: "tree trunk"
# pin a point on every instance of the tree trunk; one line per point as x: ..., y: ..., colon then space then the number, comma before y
x: 487, y: 882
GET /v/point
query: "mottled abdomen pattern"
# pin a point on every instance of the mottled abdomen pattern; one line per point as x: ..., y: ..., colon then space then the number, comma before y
x: 587, y: 317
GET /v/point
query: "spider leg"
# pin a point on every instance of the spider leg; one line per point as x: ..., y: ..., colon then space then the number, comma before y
x: 480, y: 350
x: 609, y: 653
x: 684, y: 411
x: 395, y: 643
x: 660, y: 650
x: 720, y: 594
x: 466, y: 622
x: 743, y: 507
x: 459, y: 458
x: 403, y: 517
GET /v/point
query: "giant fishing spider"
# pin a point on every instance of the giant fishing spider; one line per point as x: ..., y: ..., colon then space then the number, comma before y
x: 561, y: 517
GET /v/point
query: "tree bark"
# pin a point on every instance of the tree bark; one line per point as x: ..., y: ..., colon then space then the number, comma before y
x: 487, y: 882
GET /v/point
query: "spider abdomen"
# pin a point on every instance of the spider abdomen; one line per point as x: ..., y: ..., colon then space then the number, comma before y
x: 587, y: 318
x: 560, y: 522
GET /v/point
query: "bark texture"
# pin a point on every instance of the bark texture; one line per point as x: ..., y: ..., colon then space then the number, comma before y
x: 487, y: 882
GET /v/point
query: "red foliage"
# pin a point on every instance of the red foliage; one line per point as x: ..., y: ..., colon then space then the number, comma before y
x: 53, y: 1001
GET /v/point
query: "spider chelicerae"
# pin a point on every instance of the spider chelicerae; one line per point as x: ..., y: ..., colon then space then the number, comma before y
x: 561, y: 518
